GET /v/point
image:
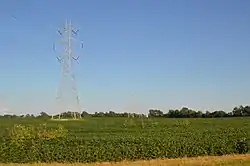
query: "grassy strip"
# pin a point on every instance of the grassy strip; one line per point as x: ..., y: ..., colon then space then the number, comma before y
x: 228, y: 160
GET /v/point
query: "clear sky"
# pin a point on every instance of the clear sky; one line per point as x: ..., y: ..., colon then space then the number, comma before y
x: 138, y: 54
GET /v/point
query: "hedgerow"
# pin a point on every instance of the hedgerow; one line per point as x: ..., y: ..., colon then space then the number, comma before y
x: 55, y: 145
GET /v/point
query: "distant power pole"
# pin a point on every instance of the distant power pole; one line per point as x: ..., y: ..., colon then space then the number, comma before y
x: 67, y: 96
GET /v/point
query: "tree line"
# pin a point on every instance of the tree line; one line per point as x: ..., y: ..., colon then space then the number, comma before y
x: 185, y: 112
x: 241, y: 111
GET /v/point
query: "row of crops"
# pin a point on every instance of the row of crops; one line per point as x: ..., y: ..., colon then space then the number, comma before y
x: 122, y: 140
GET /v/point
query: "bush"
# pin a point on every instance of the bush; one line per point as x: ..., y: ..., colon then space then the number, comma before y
x: 18, y: 133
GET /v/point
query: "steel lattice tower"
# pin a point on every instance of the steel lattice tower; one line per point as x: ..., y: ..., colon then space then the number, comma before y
x: 67, y: 99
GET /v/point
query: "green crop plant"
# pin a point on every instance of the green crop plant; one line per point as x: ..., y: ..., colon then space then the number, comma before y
x: 182, y: 123
x: 121, y: 139
x: 43, y: 132
x: 130, y: 122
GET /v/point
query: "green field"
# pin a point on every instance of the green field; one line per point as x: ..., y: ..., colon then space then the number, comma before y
x: 116, y: 139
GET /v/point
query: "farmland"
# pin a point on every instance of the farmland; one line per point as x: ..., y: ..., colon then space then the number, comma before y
x: 102, y: 139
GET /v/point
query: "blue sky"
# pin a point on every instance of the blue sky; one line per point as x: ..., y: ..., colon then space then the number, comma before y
x: 138, y: 54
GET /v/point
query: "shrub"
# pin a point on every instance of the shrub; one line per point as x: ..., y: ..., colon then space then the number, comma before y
x: 21, y: 132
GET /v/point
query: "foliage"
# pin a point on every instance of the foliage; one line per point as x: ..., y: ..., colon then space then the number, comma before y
x: 182, y: 123
x: 242, y: 146
x: 115, y: 139
x: 241, y: 111
x: 182, y: 113
x: 20, y: 132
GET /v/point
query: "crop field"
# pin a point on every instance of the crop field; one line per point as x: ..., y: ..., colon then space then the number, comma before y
x: 108, y: 139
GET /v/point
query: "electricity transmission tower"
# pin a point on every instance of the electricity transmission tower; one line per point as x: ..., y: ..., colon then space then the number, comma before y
x: 67, y: 99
